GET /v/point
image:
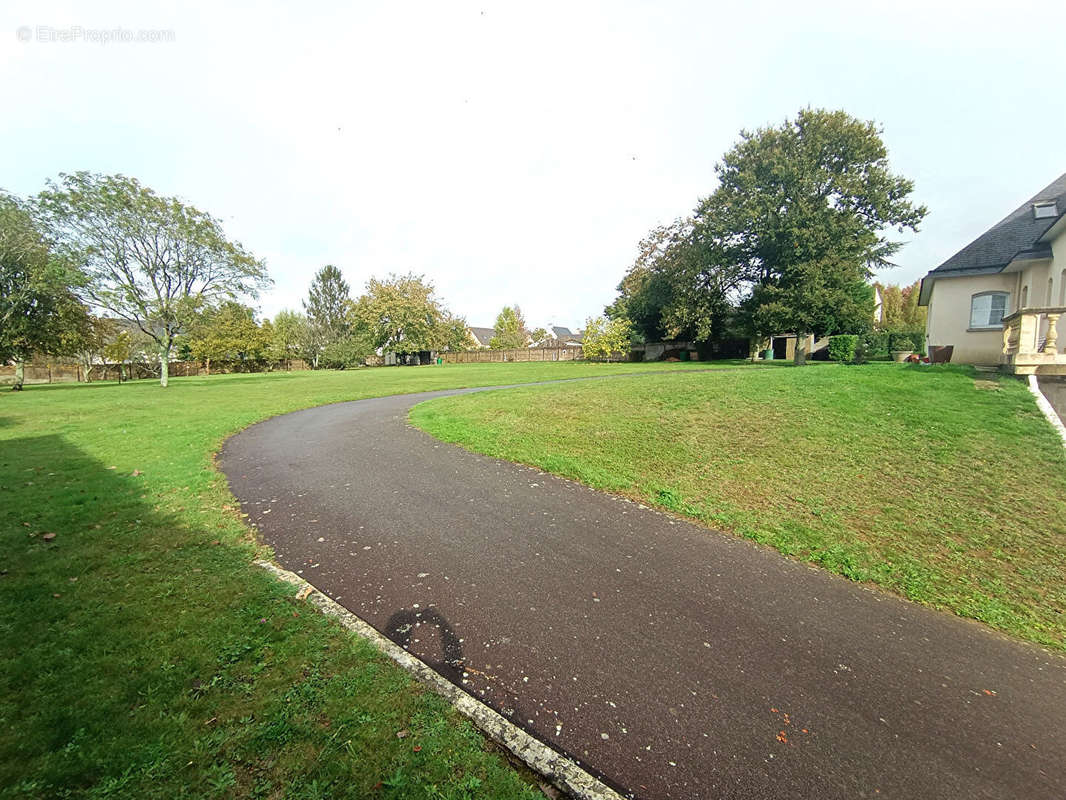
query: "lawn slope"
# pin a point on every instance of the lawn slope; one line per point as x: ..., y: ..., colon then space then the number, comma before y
x: 947, y: 491
x: 141, y: 653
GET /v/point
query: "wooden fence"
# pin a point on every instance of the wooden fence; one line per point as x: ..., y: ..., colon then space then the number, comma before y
x: 521, y: 354
x: 73, y: 373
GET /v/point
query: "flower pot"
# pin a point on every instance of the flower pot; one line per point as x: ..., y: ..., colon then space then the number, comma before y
x: 899, y: 356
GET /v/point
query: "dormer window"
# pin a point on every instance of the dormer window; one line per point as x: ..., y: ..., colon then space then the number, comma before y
x: 1045, y: 210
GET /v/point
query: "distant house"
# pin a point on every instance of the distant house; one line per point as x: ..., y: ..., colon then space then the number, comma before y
x: 998, y: 300
x: 481, y: 336
x: 565, y: 337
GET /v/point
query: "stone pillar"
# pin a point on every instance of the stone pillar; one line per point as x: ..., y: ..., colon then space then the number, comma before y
x: 1052, y: 343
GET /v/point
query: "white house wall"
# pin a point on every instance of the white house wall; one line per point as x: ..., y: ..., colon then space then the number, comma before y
x: 948, y: 321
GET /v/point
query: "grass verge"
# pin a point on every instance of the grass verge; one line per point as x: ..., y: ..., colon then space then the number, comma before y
x: 948, y: 492
x: 142, y: 655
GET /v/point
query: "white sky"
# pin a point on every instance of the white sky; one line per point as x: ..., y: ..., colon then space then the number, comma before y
x: 518, y: 153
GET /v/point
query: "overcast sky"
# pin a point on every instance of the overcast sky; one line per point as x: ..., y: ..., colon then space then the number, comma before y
x: 516, y: 152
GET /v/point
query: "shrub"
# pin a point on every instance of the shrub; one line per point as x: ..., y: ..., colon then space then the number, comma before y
x: 875, y: 344
x: 842, y: 347
x: 345, y: 353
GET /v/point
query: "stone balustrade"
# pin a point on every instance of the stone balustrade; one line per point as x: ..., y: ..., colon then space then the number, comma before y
x: 1031, y: 341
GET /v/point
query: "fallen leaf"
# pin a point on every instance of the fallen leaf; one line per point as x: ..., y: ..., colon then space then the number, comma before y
x: 417, y: 748
x: 135, y: 473
x: 401, y: 734
x: 48, y: 537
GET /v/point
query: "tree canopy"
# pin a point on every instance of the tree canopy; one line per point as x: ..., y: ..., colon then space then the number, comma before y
x: 230, y: 333
x: 402, y: 313
x: 510, y: 329
x: 39, y: 312
x: 327, y: 306
x: 785, y: 244
x: 150, y: 260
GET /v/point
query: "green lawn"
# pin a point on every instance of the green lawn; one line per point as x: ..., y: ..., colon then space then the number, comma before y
x: 141, y: 652
x: 949, y: 492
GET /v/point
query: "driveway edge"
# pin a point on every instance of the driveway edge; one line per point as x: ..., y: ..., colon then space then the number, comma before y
x: 562, y: 772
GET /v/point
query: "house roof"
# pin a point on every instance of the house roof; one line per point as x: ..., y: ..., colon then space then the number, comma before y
x: 1015, y: 237
x: 482, y: 334
x: 1017, y: 234
x: 561, y: 332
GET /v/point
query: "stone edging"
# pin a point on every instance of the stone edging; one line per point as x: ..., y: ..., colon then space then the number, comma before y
x: 563, y: 772
x: 1047, y: 408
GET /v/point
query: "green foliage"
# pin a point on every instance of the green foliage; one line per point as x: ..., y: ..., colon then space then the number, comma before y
x: 679, y: 287
x: 39, y: 312
x: 328, y: 306
x: 402, y: 313
x: 291, y: 338
x: 788, y: 239
x: 350, y: 351
x: 605, y: 339
x: 899, y: 308
x: 906, y: 340
x: 539, y: 337
x: 842, y: 347
x: 150, y: 260
x: 875, y: 344
x: 510, y: 329
x: 229, y: 333
x: 803, y: 206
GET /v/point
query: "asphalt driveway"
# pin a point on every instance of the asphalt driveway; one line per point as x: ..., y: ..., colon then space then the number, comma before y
x: 672, y: 661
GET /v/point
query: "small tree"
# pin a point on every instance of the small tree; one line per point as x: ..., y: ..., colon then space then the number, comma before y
x: 401, y: 313
x: 228, y: 333
x: 291, y: 337
x: 604, y: 338
x: 85, y: 338
x: 119, y: 350
x: 510, y: 329
x: 541, y: 338
x: 150, y: 260
x: 38, y: 310
x: 327, y: 307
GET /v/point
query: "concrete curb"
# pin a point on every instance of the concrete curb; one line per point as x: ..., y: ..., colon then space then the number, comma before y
x: 562, y: 772
x: 1047, y: 408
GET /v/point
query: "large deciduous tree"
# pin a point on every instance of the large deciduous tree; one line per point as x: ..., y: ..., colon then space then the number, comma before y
x: 510, y: 329
x: 402, y: 313
x: 803, y: 209
x: 150, y: 260
x: 786, y: 243
x: 39, y: 312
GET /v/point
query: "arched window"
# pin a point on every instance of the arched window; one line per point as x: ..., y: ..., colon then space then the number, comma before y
x: 987, y: 309
x: 1050, y: 288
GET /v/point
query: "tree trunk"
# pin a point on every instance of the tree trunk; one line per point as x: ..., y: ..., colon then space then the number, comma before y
x: 801, y: 350
x: 20, y: 375
x: 88, y: 367
x: 209, y: 366
x: 164, y: 367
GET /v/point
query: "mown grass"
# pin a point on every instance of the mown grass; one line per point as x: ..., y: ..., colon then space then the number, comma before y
x: 141, y: 652
x: 949, y: 492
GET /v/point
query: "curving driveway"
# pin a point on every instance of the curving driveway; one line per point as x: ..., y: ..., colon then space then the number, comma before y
x: 673, y: 661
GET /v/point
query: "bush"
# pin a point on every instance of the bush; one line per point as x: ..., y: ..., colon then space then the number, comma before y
x: 875, y: 345
x: 842, y: 348
x: 351, y: 351
x: 908, y: 340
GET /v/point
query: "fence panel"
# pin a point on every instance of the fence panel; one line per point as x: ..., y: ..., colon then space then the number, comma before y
x: 511, y: 356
